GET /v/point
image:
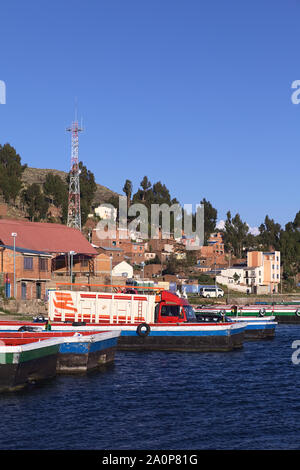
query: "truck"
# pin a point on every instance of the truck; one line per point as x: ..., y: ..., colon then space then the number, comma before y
x: 158, y: 320
x: 119, y: 307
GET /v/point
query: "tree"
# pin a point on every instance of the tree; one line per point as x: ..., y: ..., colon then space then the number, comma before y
x: 56, y: 189
x: 235, y: 234
x: 127, y: 189
x: 171, y: 266
x: 290, y: 250
x: 56, y: 192
x: 146, y: 185
x: 11, y: 171
x: 270, y: 234
x: 34, y: 199
x: 210, y: 219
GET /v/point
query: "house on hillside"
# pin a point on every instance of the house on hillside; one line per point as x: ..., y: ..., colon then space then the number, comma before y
x: 261, y: 275
x: 123, y: 269
x: 41, y: 251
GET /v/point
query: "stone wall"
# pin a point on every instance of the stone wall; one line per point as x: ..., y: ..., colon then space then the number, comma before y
x: 29, y: 307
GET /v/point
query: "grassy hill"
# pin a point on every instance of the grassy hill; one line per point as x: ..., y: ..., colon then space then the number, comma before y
x: 38, y: 175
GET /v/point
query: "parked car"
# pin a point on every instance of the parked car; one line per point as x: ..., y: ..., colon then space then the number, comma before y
x: 211, y: 292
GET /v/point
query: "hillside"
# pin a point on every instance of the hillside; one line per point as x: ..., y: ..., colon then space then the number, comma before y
x: 38, y: 175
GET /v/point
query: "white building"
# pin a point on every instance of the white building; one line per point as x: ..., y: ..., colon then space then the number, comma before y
x: 241, y: 278
x: 123, y: 269
x: 106, y: 212
x: 260, y: 276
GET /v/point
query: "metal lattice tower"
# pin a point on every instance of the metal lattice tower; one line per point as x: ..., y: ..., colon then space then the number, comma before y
x: 74, y: 213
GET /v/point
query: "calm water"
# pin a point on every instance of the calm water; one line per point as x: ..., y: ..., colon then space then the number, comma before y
x: 247, y: 399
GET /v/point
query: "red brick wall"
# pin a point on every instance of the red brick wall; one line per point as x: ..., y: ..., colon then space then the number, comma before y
x: 30, y: 277
x: 7, y: 265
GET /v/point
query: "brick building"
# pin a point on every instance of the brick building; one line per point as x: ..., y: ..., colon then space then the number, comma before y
x: 113, y: 252
x: 214, y: 251
x: 32, y: 268
x: 120, y: 246
x: 41, y: 251
x: 151, y: 270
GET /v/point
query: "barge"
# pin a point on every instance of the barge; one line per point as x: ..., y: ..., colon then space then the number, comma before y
x: 77, y: 351
x: 282, y: 313
x: 256, y: 327
x: 192, y: 337
x: 154, y: 321
x: 25, y: 361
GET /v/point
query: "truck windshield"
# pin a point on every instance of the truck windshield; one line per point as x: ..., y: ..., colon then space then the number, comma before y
x: 190, y: 314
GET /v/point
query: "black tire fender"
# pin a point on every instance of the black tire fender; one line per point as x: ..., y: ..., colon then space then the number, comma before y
x: 297, y: 313
x: 262, y: 312
x: 141, y: 329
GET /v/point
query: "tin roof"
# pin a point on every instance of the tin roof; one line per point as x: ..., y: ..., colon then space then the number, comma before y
x: 44, y: 237
x: 110, y: 248
x: 24, y: 250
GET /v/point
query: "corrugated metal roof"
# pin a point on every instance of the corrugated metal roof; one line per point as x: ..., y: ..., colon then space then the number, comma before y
x: 110, y: 248
x: 24, y: 250
x: 44, y: 237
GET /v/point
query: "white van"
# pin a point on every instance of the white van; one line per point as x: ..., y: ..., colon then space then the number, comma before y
x: 211, y: 292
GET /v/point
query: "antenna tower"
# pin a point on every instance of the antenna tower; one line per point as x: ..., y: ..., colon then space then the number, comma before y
x: 74, y: 213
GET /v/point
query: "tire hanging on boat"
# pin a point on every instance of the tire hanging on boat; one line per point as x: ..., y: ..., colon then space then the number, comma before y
x: 141, y: 329
x: 297, y: 313
x: 262, y: 312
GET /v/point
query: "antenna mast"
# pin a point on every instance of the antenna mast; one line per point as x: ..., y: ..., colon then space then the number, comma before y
x: 74, y: 213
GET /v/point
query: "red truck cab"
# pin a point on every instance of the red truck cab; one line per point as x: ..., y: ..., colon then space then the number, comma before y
x: 173, y: 309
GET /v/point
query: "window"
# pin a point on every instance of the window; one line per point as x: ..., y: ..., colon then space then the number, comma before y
x: 84, y: 262
x: 170, y: 310
x: 190, y: 314
x: 43, y: 264
x: 28, y: 263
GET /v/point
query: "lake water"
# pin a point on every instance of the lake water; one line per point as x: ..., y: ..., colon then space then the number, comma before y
x: 246, y: 399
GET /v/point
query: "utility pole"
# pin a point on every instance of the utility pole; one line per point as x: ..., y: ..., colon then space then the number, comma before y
x: 14, y: 237
x: 111, y: 263
x: 72, y: 253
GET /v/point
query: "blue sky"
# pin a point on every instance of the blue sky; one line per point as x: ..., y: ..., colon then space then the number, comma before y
x: 196, y: 94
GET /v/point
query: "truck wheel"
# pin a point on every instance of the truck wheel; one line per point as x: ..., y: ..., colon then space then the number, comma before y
x: 143, y: 329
